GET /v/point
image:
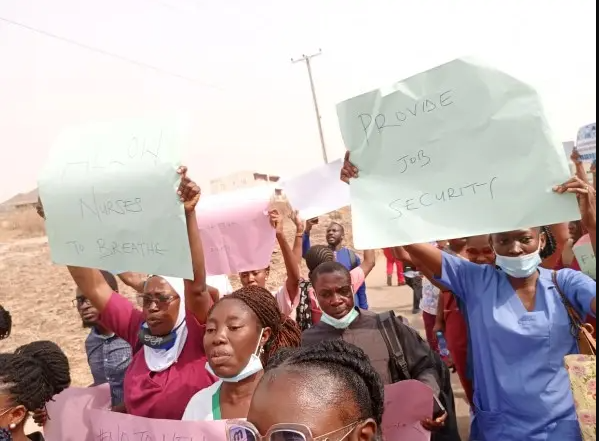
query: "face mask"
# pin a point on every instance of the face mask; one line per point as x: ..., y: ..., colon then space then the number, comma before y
x: 253, y: 367
x: 165, y: 343
x: 520, y: 267
x: 342, y: 323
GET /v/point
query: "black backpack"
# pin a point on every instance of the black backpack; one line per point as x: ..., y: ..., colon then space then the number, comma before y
x: 398, y: 367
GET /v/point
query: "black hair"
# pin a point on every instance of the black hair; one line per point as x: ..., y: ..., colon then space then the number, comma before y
x: 328, y: 268
x: 34, y: 374
x: 550, y: 246
x: 285, y: 331
x: 5, y: 323
x: 344, y: 363
x: 318, y: 254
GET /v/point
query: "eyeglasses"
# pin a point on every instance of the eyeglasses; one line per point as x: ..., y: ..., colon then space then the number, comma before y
x: 161, y: 300
x: 240, y: 430
x: 345, y: 291
x: 80, y: 301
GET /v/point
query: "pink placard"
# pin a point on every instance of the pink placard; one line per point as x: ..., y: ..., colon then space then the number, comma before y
x: 407, y: 403
x: 68, y: 413
x: 83, y: 415
x: 236, y: 231
x: 109, y: 426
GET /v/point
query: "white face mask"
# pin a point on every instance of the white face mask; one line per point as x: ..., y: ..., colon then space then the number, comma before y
x: 342, y: 323
x: 520, y: 267
x: 253, y: 367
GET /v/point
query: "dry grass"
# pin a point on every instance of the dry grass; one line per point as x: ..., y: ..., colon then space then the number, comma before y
x: 22, y: 223
x: 39, y: 294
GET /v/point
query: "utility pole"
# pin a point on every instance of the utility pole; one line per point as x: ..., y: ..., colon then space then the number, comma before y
x: 308, y: 59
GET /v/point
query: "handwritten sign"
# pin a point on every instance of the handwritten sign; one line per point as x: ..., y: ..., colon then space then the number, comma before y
x: 82, y: 415
x: 586, y: 142
x: 586, y: 259
x: 457, y: 151
x: 236, y: 231
x: 318, y: 191
x: 108, y: 426
x: 407, y: 403
x: 109, y: 193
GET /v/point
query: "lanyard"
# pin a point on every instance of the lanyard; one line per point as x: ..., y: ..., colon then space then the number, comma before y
x: 216, y: 414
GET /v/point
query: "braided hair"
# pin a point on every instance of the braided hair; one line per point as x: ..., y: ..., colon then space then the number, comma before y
x: 34, y: 374
x: 285, y: 332
x: 550, y: 246
x: 5, y: 323
x: 318, y: 254
x: 344, y: 362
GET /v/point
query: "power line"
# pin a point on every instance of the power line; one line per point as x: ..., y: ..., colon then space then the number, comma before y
x: 107, y: 53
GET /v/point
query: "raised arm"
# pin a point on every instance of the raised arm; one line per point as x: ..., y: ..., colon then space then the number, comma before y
x: 298, y: 243
x: 428, y: 256
x: 197, y: 296
x: 369, y: 262
x: 134, y: 280
x: 587, y: 203
x: 291, y: 263
x: 306, y: 244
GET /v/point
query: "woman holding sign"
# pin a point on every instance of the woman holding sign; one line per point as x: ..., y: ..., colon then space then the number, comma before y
x: 520, y: 329
x: 168, y: 365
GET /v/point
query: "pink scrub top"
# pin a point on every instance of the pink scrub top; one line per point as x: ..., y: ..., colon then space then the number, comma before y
x: 158, y: 395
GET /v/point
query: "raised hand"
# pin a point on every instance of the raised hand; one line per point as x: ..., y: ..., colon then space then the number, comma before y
x: 189, y: 192
x: 349, y: 171
x: 587, y: 200
x: 276, y: 220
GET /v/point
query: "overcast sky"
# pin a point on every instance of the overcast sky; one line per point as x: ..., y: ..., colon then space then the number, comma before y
x: 250, y: 107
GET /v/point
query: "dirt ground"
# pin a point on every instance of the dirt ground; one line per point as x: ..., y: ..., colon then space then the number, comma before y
x: 39, y: 294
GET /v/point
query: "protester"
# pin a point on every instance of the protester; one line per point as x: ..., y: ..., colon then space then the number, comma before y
x: 326, y: 392
x: 393, y: 263
x: 243, y: 331
x: 108, y: 356
x: 342, y: 320
x: 29, y: 378
x: 5, y: 323
x: 335, y: 237
x: 308, y: 312
x: 168, y: 365
x: 288, y: 294
x: 452, y: 312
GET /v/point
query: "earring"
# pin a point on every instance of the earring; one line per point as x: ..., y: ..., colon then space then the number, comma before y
x: 13, y: 426
x: 262, y: 351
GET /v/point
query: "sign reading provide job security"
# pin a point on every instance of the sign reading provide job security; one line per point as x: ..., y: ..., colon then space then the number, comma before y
x: 109, y: 194
x: 459, y: 150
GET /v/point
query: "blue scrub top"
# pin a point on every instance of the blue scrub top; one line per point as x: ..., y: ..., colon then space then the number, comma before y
x: 522, y: 390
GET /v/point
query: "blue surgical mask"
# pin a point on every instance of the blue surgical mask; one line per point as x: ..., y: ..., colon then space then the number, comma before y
x: 520, y: 267
x: 253, y: 367
x: 342, y: 323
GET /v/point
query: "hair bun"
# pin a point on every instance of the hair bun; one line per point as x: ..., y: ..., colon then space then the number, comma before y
x: 51, y: 361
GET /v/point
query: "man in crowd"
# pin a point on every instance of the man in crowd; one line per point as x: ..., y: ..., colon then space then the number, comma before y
x: 335, y: 237
x: 108, y: 356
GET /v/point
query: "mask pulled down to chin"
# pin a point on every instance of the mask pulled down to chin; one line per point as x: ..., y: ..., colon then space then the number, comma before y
x: 520, y: 267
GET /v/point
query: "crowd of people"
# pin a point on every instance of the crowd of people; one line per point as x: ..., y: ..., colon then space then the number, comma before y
x: 310, y: 361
